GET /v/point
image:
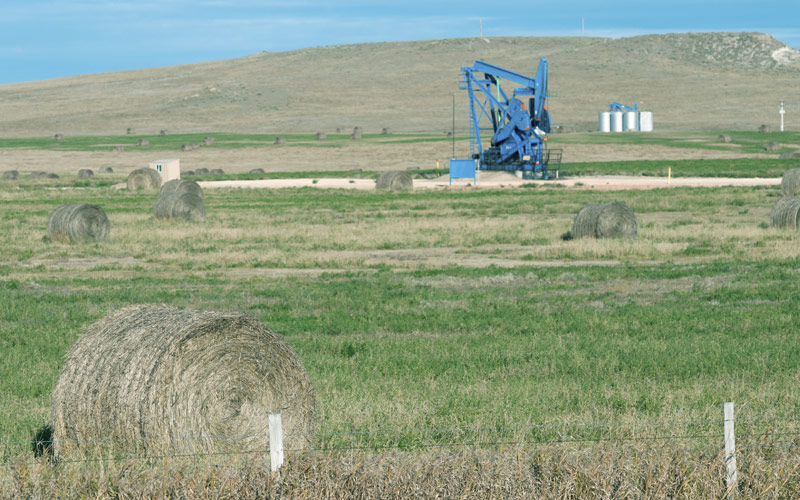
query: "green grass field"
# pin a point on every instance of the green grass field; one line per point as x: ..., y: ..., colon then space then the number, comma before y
x: 433, y: 309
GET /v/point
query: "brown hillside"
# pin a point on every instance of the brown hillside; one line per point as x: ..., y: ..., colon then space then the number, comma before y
x: 689, y: 81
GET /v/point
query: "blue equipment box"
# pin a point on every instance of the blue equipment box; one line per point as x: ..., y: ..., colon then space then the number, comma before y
x: 463, y: 169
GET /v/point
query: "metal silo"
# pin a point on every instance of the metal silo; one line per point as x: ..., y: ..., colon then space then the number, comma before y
x: 646, y: 121
x: 630, y: 121
x: 604, y: 122
x: 616, y: 121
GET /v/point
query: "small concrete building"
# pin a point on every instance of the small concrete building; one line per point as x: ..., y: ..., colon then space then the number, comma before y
x: 169, y: 169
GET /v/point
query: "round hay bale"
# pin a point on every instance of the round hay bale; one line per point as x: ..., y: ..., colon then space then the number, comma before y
x: 216, y: 171
x: 106, y: 170
x: 38, y: 174
x: 208, y: 140
x: 51, y: 175
x: 85, y: 173
x: 355, y: 135
x: 10, y: 175
x: 78, y: 222
x: 795, y: 154
x: 156, y: 380
x: 790, y: 184
x: 395, y: 181
x: 605, y: 220
x: 189, y: 147
x: 163, y: 132
x: 764, y: 129
x: 357, y: 129
x: 175, y: 205
x: 144, y: 178
x: 786, y: 212
x: 724, y: 138
x: 279, y: 140
x: 129, y: 131
x: 182, y: 186
x: 201, y: 171
x: 58, y: 137
x: 385, y: 131
x: 118, y: 149
x: 772, y: 146
x: 143, y: 143
x: 338, y: 130
x: 257, y: 171
x: 321, y: 136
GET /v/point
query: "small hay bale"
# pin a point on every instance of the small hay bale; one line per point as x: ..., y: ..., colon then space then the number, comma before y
x: 724, y: 138
x: 355, y: 135
x: 38, y: 174
x: 143, y: 143
x: 207, y: 140
x: 190, y: 146
x: 795, y: 154
x: 58, y: 137
x: 280, y: 140
x: 85, y: 173
x: 78, y: 222
x: 189, y: 173
x: 51, y: 175
x: 395, y: 181
x: 385, y: 131
x: 144, y: 178
x: 790, y: 184
x: 772, y: 147
x: 786, y: 212
x: 216, y: 171
x: 118, y: 149
x: 764, y: 129
x: 175, y: 205
x: 605, y: 220
x: 321, y: 136
x: 106, y: 170
x: 257, y: 171
x: 201, y: 171
x: 144, y: 374
x: 163, y: 133
x: 129, y: 131
x: 182, y: 186
x: 338, y: 130
x: 10, y: 175
x: 357, y: 129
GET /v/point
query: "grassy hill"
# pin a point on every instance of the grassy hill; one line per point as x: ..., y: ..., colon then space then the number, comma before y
x: 690, y: 81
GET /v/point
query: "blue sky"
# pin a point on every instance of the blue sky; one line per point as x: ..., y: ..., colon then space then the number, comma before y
x: 42, y: 39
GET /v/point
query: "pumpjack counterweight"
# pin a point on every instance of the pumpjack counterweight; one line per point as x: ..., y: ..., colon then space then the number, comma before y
x: 518, y: 129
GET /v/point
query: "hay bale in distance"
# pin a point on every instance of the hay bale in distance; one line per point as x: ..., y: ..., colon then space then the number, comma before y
x: 795, y: 154
x: 189, y: 173
x: 216, y: 171
x: 355, y: 135
x: 321, y: 136
x: 144, y: 178
x: 163, y: 132
x: 207, y: 140
x: 256, y: 171
x: 764, y: 129
x: 176, y: 205
x: 385, y: 131
x: 724, y: 138
x: 129, y: 131
x: 182, y: 186
x: 395, y: 181
x: 118, y: 149
x: 78, y: 222
x: 58, y: 137
x: 38, y: 174
x: 146, y: 373
x: 772, y: 147
x: 201, y: 171
x: 786, y: 212
x: 10, y: 175
x: 605, y: 220
x: 85, y: 173
x: 280, y: 140
x: 790, y: 183
x: 143, y: 143
x: 189, y: 147
x: 338, y: 130
x: 106, y: 170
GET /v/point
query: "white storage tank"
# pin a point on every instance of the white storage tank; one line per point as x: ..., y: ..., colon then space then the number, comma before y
x: 616, y: 121
x: 604, y: 122
x: 646, y: 121
x: 630, y: 121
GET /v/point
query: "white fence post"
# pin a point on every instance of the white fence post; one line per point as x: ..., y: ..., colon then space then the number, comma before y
x: 730, y: 449
x: 275, y: 441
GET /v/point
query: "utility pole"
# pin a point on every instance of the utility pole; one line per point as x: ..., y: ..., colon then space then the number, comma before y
x: 782, y: 112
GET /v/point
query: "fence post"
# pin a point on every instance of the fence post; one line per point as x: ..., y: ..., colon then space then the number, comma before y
x: 730, y: 450
x: 275, y: 441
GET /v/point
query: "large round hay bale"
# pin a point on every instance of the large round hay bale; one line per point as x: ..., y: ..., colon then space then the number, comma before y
x: 78, y: 222
x: 321, y: 136
x: 143, y: 143
x: 355, y: 135
x: 790, y: 184
x: 764, y: 129
x: 279, y: 140
x: 724, y: 138
x: 385, y: 131
x: 144, y: 178
x: 605, y: 220
x: 182, y: 186
x: 786, y: 212
x: 163, y: 132
x: 58, y: 137
x: 208, y: 140
x: 10, y: 175
x: 772, y: 146
x: 156, y: 380
x: 85, y: 173
x: 175, y: 205
x: 395, y: 181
